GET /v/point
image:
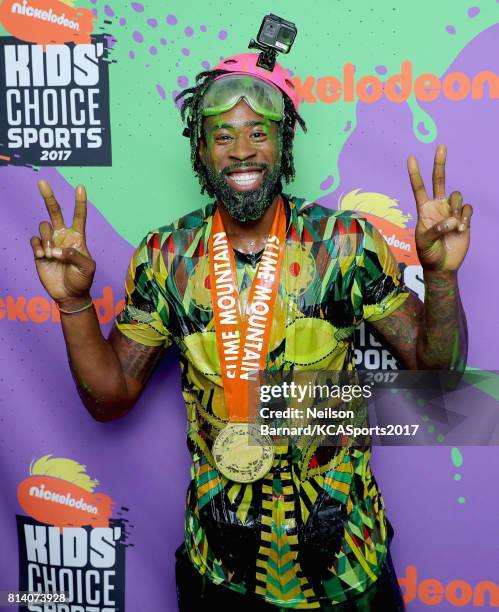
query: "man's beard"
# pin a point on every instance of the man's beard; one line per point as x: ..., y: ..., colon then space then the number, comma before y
x: 246, y: 205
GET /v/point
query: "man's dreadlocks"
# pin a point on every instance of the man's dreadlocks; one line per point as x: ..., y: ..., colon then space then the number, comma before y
x: 192, y: 113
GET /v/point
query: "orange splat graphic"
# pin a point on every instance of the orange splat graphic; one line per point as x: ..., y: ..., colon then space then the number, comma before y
x: 46, y: 22
x: 57, y: 502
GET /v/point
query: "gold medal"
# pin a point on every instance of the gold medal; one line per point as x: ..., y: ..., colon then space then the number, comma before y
x: 236, y: 458
x: 242, y: 343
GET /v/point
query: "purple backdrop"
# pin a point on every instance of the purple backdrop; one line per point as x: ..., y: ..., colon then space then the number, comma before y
x: 141, y: 461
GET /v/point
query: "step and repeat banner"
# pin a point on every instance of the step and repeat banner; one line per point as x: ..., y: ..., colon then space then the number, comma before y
x: 87, y: 94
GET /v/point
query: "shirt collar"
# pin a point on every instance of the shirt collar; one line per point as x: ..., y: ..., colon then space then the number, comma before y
x: 291, y: 203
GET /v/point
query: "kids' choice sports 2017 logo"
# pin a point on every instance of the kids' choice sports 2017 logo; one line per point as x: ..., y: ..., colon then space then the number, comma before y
x: 54, y: 86
x: 69, y: 542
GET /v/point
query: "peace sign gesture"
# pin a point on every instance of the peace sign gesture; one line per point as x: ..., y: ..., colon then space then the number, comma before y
x: 62, y: 260
x: 443, y: 226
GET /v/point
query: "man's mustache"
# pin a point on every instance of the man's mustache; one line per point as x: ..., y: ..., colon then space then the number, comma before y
x: 244, y: 166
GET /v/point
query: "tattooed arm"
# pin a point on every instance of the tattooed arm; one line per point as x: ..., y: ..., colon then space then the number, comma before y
x: 109, y: 374
x: 432, y: 335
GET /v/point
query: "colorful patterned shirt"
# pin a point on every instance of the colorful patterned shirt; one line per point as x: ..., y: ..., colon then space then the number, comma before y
x: 313, y: 530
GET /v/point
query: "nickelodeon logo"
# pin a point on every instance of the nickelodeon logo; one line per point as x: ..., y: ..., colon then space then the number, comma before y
x: 397, y: 88
x: 39, y: 309
x: 458, y: 593
x: 59, y: 492
x: 47, y: 21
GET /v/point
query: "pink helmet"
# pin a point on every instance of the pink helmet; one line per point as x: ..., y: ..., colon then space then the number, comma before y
x: 245, y: 63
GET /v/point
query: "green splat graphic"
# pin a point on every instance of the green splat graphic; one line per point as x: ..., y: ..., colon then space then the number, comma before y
x: 456, y: 456
x: 457, y: 461
x: 487, y: 382
x: 151, y: 181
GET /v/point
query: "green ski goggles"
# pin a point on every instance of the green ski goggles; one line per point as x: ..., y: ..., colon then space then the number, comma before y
x: 225, y: 92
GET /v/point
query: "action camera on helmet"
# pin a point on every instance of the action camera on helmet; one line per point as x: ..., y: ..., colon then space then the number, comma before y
x: 275, y: 35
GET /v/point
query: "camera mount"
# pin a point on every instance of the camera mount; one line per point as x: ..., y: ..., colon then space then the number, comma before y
x: 268, y: 56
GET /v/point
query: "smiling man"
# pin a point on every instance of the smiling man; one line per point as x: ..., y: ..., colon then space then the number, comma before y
x: 260, y: 279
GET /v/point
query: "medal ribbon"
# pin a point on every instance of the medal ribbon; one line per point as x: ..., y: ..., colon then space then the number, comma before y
x: 242, y: 339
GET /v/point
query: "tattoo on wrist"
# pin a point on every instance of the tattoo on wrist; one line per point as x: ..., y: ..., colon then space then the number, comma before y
x: 445, y: 337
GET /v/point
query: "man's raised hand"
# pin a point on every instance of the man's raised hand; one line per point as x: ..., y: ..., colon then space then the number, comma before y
x: 64, y: 265
x: 443, y: 226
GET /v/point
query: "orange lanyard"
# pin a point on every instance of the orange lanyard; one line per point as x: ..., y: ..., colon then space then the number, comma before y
x: 242, y: 341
